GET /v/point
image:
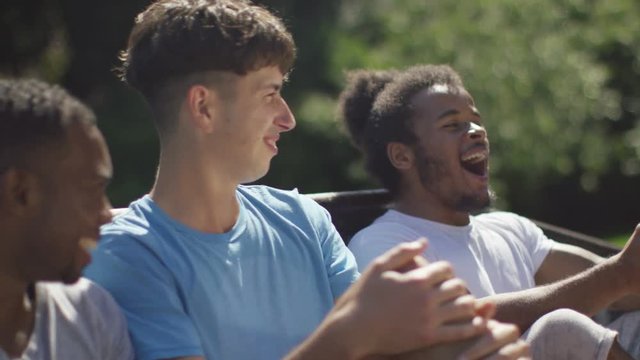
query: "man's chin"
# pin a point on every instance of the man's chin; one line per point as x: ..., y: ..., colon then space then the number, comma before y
x: 72, y: 275
x: 476, y: 203
x: 257, y: 175
x: 71, y: 279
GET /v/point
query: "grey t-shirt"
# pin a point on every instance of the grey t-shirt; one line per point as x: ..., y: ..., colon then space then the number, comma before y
x: 79, y: 321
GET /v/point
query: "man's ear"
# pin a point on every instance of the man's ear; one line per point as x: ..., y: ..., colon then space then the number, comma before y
x: 202, y: 103
x: 400, y: 155
x: 19, y: 191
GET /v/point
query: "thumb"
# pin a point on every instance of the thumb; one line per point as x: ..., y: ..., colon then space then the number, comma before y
x: 485, y: 308
x: 634, y: 237
x: 400, y: 256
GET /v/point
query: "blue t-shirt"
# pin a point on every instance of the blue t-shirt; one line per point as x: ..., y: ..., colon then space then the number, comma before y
x: 251, y: 293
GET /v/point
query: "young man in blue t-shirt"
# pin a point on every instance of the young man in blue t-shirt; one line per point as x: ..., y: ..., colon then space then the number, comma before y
x: 205, y: 267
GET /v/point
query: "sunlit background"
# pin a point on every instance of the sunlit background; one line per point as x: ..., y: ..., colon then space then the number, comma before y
x: 557, y: 82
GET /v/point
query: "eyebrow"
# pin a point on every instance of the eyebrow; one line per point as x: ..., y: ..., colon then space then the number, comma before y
x: 272, y: 86
x: 456, y: 112
x: 448, y: 113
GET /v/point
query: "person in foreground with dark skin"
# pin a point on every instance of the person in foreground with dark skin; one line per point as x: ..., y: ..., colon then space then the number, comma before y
x: 54, y: 167
x: 425, y: 140
x: 204, y: 267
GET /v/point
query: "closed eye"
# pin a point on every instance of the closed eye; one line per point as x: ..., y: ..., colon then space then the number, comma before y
x: 461, y: 126
x: 457, y: 125
x: 272, y: 96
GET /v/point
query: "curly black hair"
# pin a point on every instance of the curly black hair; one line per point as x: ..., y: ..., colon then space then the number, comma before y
x: 33, y: 114
x: 376, y: 109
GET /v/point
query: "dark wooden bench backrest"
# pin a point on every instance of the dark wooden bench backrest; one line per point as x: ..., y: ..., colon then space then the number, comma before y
x: 353, y: 210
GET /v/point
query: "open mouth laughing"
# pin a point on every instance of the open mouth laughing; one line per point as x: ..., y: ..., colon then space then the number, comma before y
x: 476, y: 161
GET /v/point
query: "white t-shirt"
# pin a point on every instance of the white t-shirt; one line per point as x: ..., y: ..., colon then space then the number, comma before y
x: 495, y: 253
x: 76, y: 322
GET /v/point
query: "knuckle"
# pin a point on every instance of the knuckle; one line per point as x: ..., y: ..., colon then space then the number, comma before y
x: 445, y: 266
x: 440, y: 269
x: 405, y: 247
x: 465, y: 303
x: 377, y: 264
x: 454, y: 285
x: 413, y: 281
x: 460, y: 284
x: 467, y: 299
x: 513, y: 330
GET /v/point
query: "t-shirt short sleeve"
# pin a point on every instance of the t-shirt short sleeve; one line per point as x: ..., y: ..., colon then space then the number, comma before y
x: 340, y: 264
x: 115, y: 341
x: 144, y: 289
x: 530, y: 235
x: 377, y: 239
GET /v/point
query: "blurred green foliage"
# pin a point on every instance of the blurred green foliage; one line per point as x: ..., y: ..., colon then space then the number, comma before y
x: 557, y: 82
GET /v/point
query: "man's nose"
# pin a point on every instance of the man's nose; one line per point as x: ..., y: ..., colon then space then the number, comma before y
x: 285, y: 120
x: 476, y: 131
x: 105, y: 215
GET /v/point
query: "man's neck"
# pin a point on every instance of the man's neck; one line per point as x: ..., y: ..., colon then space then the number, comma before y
x: 429, y: 208
x: 196, y: 194
x: 17, y: 315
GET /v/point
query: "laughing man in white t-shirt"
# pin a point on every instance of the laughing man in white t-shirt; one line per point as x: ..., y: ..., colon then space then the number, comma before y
x: 424, y: 139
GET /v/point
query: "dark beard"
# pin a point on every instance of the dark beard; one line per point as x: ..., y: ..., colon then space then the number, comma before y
x: 432, y: 172
x: 475, y: 204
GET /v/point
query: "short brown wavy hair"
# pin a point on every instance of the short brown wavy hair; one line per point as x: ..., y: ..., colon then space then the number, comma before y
x: 175, y: 39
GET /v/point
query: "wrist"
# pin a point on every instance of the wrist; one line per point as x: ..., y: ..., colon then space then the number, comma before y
x: 343, y: 334
x: 335, y: 338
x: 621, y: 274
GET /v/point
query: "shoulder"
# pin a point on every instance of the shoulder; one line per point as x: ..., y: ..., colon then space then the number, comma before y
x: 81, y: 306
x: 391, y: 223
x: 516, y: 229
x: 383, y: 234
x: 134, y: 220
x: 504, y: 220
x: 84, y: 297
x: 288, y: 203
x: 138, y: 230
x: 276, y: 197
x: 86, y: 320
x: 387, y: 227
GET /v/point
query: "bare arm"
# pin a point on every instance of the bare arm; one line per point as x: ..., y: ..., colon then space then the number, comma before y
x: 399, y: 304
x: 595, y: 284
x: 567, y: 260
x: 564, y: 261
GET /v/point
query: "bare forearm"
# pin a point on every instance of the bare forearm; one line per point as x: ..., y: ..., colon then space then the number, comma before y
x: 331, y: 340
x: 587, y: 292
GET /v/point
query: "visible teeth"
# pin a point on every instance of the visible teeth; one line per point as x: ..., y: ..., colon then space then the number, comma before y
x: 474, y: 157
